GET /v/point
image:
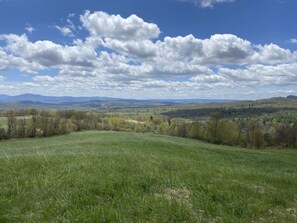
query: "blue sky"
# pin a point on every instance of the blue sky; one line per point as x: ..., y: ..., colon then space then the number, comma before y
x: 240, y: 49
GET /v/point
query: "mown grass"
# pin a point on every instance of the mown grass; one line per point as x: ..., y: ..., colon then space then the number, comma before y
x: 129, y: 177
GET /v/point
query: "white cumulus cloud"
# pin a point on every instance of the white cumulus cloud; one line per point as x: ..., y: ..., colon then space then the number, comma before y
x: 126, y: 55
x: 101, y: 24
x: 66, y: 31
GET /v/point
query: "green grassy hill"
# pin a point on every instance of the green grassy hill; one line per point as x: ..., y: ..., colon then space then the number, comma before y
x: 129, y: 177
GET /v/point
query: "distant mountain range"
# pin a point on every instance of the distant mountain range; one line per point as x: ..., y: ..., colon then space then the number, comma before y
x: 50, y: 99
x: 54, y: 102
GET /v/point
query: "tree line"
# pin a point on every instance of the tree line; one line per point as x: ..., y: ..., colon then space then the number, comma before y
x: 246, y: 132
x: 227, y: 112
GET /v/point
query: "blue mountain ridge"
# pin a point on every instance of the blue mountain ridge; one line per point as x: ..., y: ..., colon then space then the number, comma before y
x: 71, y: 99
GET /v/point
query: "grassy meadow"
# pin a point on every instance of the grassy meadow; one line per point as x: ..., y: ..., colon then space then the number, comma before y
x: 97, y: 176
x: 3, y: 122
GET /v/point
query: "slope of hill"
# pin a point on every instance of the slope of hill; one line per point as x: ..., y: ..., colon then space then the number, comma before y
x: 51, y: 102
x: 292, y: 97
x: 129, y: 177
x: 235, y: 109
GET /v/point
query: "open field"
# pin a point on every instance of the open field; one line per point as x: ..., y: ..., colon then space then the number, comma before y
x: 3, y: 122
x: 128, y: 177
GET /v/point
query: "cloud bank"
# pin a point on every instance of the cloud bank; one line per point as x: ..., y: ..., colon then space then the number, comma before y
x: 121, y: 56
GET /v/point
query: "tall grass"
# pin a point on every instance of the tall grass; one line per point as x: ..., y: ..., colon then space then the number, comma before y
x: 129, y: 177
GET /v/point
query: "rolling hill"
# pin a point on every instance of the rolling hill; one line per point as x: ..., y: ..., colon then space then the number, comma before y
x: 128, y: 177
x: 52, y: 102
